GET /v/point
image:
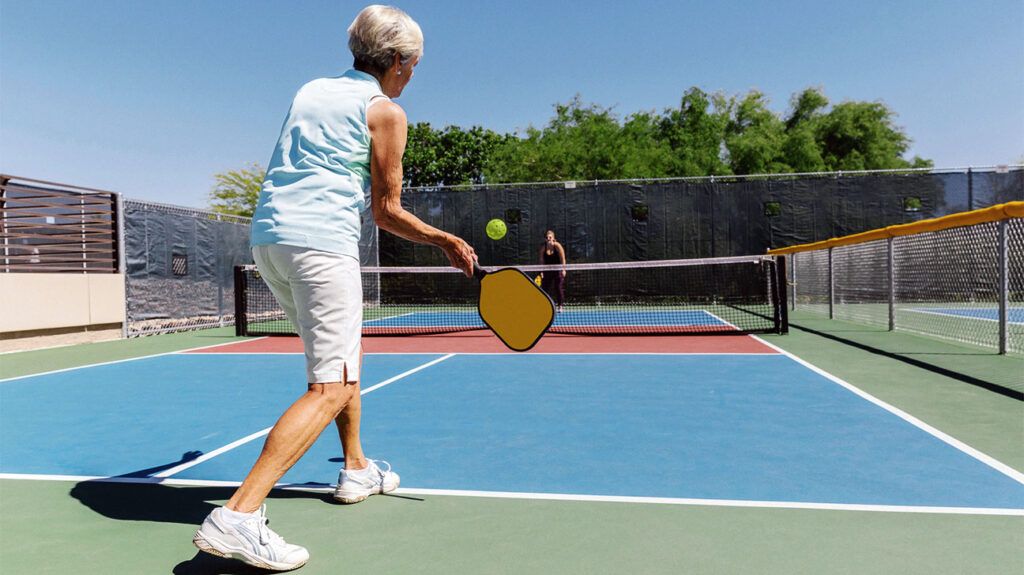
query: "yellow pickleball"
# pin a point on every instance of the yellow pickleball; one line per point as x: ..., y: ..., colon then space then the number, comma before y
x: 496, y: 229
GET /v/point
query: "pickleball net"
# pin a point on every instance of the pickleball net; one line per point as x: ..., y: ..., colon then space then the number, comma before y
x: 699, y: 296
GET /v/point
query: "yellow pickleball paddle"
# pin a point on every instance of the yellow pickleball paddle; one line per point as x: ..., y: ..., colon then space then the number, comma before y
x: 514, y: 307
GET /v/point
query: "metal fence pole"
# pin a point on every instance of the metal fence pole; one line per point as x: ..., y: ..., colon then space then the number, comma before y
x: 792, y: 271
x: 1004, y: 284
x: 970, y: 189
x: 220, y: 276
x: 892, y: 284
x: 122, y: 258
x: 831, y: 286
x: 3, y: 223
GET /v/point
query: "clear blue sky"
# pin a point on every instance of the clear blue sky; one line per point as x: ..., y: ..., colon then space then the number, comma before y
x: 153, y: 97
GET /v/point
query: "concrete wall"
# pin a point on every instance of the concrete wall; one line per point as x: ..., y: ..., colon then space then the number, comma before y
x: 30, y: 302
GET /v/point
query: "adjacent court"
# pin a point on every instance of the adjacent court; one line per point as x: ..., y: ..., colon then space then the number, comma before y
x: 1014, y: 315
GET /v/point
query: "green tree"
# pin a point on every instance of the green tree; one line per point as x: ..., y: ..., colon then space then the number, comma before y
x: 706, y: 135
x: 645, y: 152
x: 755, y: 137
x: 420, y: 163
x: 695, y: 132
x: 863, y: 136
x: 582, y: 142
x: 236, y: 192
x: 447, y: 157
x: 800, y: 148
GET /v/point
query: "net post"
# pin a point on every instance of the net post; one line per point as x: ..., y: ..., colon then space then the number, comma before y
x: 241, y: 322
x: 831, y: 285
x: 1004, y: 285
x: 781, y: 305
x: 891, y: 265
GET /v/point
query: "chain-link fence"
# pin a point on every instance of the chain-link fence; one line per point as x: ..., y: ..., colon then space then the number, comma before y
x: 962, y: 283
x: 179, y: 266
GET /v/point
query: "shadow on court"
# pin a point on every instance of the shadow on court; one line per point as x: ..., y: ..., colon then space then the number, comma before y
x: 206, y: 564
x: 114, y: 498
x: 976, y: 368
x: 167, y: 504
x: 126, y: 501
x: 163, y: 503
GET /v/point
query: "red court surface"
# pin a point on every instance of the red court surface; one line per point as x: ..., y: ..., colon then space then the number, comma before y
x: 485, y: 342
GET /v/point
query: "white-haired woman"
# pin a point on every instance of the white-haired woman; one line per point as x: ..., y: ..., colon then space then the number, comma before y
x: 305, y: 237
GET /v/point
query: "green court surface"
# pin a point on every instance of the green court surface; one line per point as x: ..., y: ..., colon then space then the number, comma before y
x: 95, y: 527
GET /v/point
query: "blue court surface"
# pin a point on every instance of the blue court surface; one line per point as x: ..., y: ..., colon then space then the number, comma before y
x: 759, y: 428
x: 588, y: 317
x: 1013, y: 314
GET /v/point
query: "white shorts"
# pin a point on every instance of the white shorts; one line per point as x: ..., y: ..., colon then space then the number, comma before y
x: 322, y: 295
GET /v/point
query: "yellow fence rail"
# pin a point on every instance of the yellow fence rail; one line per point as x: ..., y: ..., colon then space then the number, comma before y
x: 990, y: 214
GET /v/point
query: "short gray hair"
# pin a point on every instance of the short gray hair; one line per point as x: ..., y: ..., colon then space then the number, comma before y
x: 378, y: 33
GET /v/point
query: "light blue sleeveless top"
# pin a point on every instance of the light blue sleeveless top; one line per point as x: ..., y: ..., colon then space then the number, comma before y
x: 318, y: 181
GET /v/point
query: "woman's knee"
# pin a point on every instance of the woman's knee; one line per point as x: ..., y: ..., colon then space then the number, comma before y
x: 335, y: 395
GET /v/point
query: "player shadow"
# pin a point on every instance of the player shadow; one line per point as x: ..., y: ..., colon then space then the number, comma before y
x: 163, y: 503
x: 135, y: 497
x: 121, y: 499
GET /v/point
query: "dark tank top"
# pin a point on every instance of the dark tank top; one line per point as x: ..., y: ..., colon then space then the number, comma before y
x: 552, y: 258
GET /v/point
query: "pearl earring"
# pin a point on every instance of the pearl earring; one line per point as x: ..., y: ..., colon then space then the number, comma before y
x: 399, y: 72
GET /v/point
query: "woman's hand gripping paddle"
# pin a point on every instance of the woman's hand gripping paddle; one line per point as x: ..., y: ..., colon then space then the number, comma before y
x: 514, y: 307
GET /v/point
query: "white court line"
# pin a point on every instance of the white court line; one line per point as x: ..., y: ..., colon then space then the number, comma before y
x: 955, y: 315
x: 387, y: 317
x: 554, y: 496
x: 723, y: 321
x: 507, y: 353
x: 944, y: 437
x: 224, y: 449
x: 127, y: 359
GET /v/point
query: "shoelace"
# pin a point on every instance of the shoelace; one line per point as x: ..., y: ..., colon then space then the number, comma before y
x: 267, y: 535
x: 381, y: 472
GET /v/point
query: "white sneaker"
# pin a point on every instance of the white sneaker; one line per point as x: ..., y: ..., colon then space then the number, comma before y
x: 356, y: 485
x: 251, y: 541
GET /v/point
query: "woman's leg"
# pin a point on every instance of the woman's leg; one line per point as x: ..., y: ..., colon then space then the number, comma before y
x: 291, y: 437
x: 548, y: 283
x: 348, y: 428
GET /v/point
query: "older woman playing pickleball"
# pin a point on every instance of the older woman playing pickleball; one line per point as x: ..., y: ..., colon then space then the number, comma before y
x: 305, y: 235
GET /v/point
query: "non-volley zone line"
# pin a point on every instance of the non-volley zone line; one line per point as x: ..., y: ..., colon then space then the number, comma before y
x: 570, y: 497
x: 253, y: 436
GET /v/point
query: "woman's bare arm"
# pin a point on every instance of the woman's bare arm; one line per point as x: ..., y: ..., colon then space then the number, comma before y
x: 389, y: 132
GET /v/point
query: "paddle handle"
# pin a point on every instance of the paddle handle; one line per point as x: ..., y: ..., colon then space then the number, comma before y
x: 478, y: 272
